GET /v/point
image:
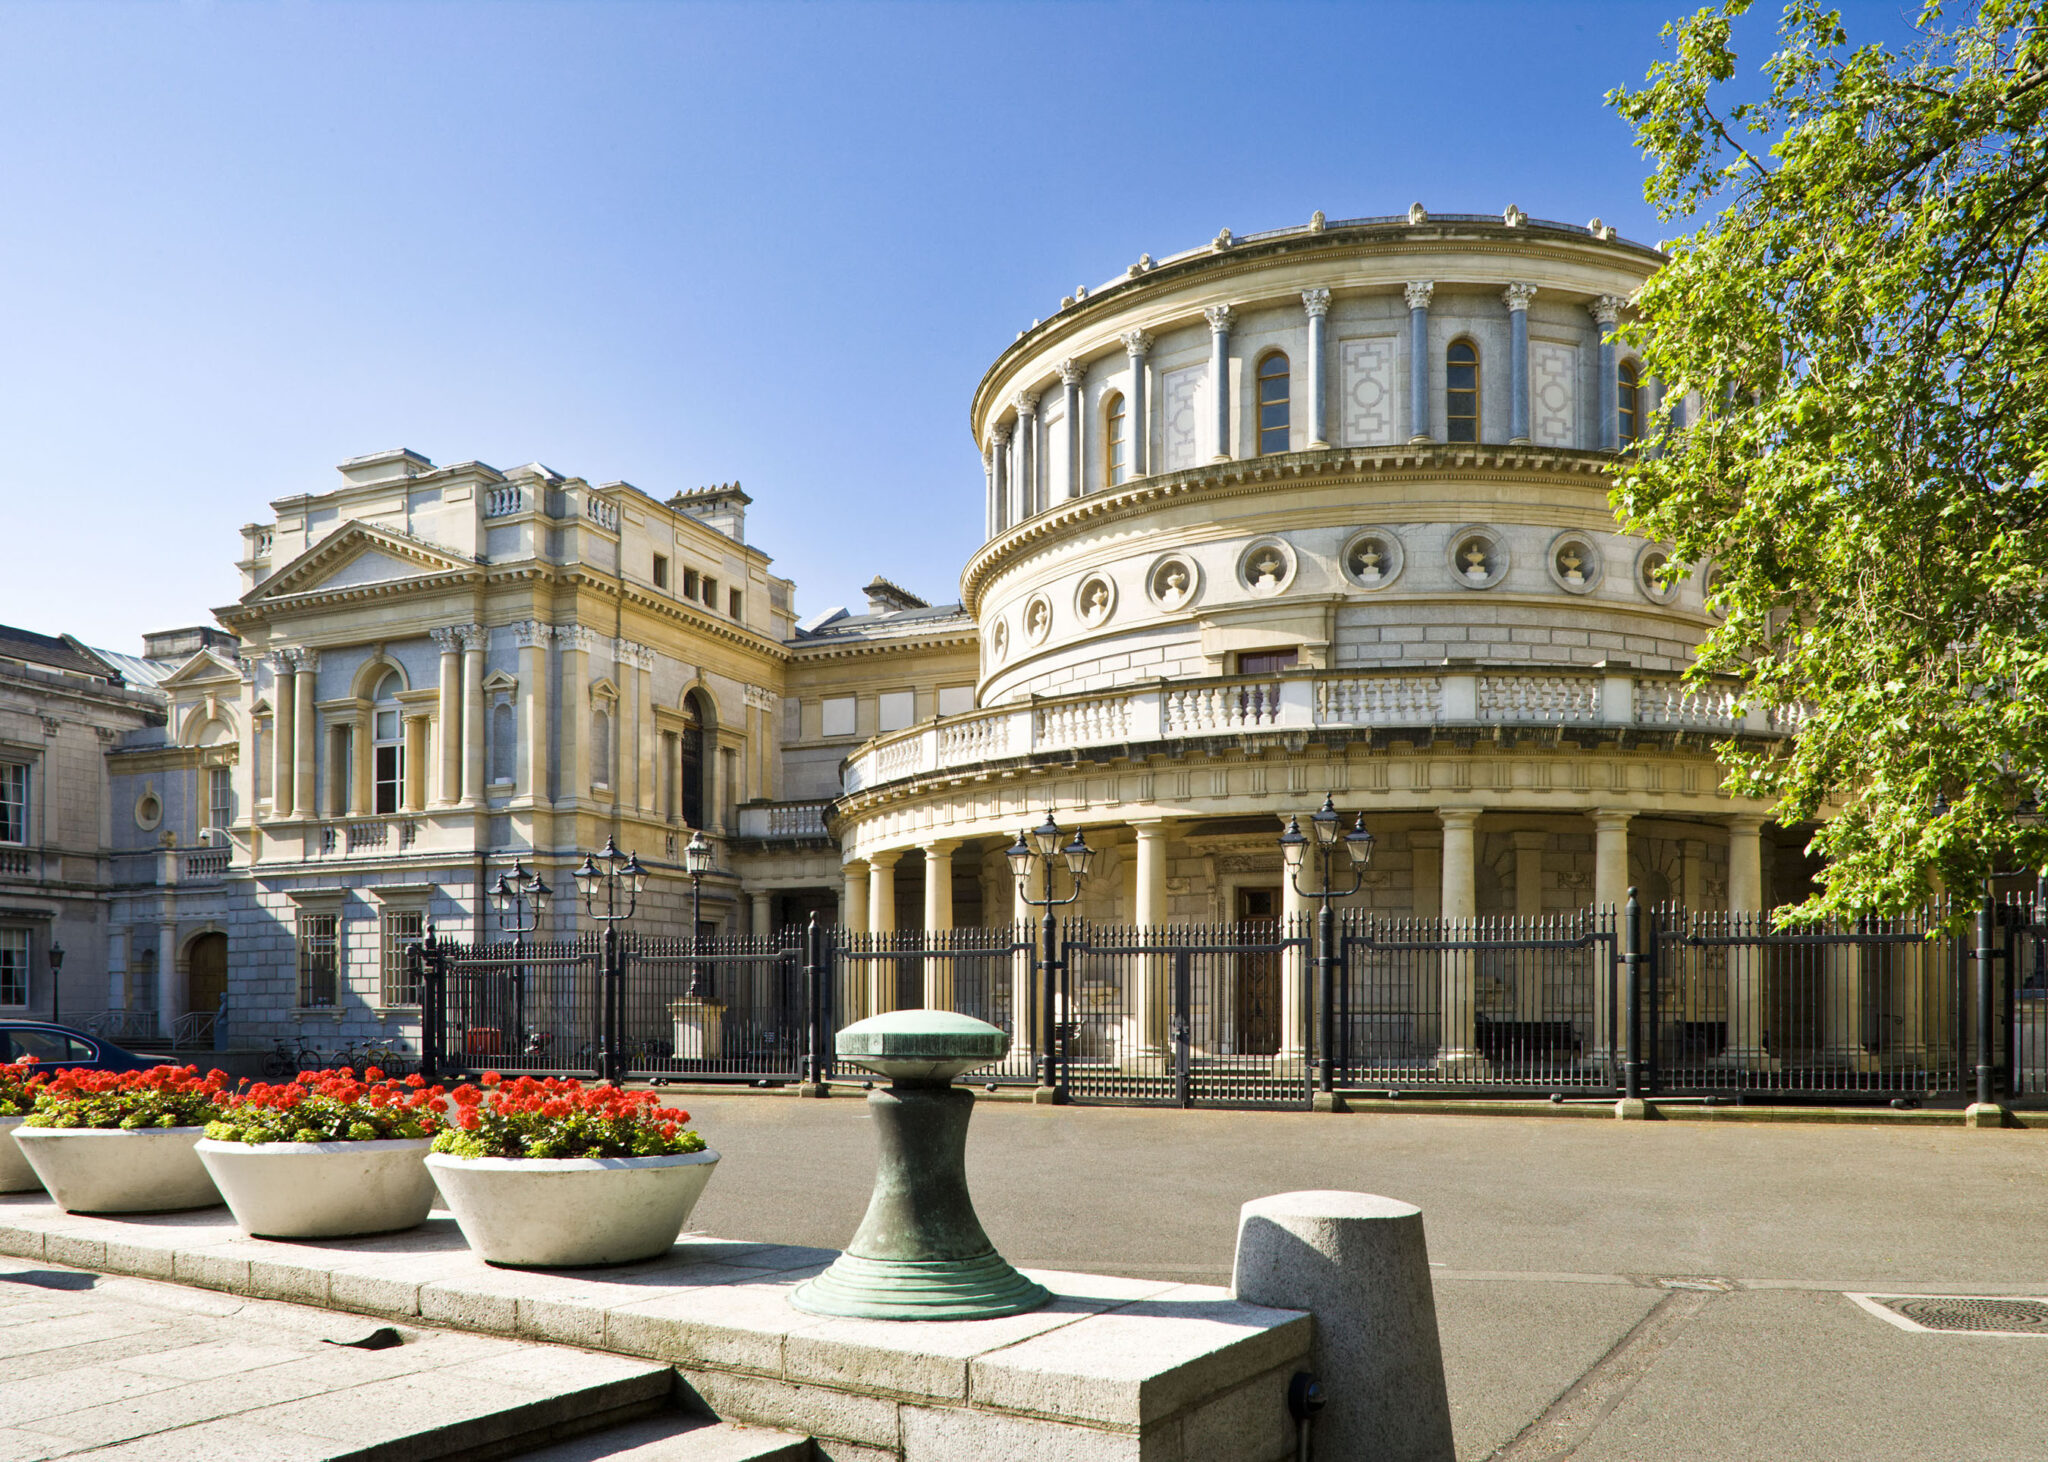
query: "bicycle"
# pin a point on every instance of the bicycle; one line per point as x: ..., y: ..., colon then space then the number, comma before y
x: 289, y: 1059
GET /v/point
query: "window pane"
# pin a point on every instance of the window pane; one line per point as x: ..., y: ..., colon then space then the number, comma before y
x: 13, y: 966
x: 13, y: 803
x: 1272, y: 416
x: 1462, y: 377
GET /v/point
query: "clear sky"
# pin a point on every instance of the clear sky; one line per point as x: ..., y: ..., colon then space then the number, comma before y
x: 672, y: 243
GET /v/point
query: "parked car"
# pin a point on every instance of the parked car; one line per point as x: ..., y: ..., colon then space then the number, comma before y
x: 59, y: 1047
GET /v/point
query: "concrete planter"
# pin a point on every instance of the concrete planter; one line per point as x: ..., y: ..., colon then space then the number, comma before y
x: 109, y: 1170
x: 569, y: 1212
x: 322, y: 1190
x: 16, y: 1176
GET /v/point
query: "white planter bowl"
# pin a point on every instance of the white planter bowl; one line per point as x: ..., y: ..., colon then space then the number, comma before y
x: 108, y: 1170
x: 16, y: 1176
x: 568, y: 1212
x: 322, y: 1190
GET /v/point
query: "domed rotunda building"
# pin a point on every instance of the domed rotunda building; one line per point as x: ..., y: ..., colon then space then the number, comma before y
x: 1323, y: 510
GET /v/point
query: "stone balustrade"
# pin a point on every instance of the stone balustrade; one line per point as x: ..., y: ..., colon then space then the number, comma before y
x: 1363, y: 700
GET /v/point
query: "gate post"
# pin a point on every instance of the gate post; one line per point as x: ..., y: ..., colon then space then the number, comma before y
x: 433, y: 1026
x: 611, y: 1060
x: 1182, y: 1028
x: 812, y: 1082
x: 1987, y: 1095
x: 1631, y: 999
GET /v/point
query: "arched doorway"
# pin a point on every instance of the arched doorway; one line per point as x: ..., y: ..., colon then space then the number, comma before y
x: 690, y: 771
x: 206, y: 973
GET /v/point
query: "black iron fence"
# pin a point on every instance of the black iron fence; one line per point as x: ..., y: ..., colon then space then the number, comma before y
x: 1648, y: 1001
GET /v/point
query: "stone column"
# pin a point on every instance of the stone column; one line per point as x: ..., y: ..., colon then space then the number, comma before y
x: 1070, y: 404
x: 413, y: 792
x: 1138, y: 420
x: 1148, y: 1003
x: 531, y: 778
x: 1317, y: 303
x: 306, y: 725
x: 577, y: 643
x: 359, y: 754
x: 938, y: 916
x: 1218, y: 317
x: 284, y: 740
x: 991, y: 511
x: 1529, y: 848
x: 882, y: 921
x: 1748, y: 976
x: 1458, y: 1051
x: 1606, y: 311
x: 448, y: 710
x: 646, y: 743
x: 763, y: 923
x: 1025, y: 499
x: 1517, y: 297
x: 1297, y: 912
x: 475, y: 722
x: 1610, y: 892
x: 999, y: 449
x: 1419, y: 294
x: 853, y: 918
x: 626, y: 729
x: 168, y: 1006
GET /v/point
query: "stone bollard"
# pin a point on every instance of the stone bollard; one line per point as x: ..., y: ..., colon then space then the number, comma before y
x: 1360, y: 1265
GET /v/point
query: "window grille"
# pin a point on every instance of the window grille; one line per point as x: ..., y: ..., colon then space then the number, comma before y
x: 319, y: 960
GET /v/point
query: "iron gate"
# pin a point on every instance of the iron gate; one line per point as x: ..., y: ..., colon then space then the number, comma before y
x: 1186, y: 1015
x: 532, y: 1008
x: 723, y: 1008
x: 985, y: 973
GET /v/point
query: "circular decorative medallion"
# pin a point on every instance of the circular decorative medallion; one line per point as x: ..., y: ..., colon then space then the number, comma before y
x: 1095, y: 600
x: 1037, y: 619
x: 1173, y: 581
x: 1478, y: 559
x: 1267, y: 566
x: 1373, y: 558
x: 1575, y: 563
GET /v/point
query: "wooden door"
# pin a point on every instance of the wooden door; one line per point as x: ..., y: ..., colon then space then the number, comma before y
x: 1256, y: 999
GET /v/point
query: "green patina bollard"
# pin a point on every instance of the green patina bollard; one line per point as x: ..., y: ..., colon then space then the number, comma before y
x: 920, y: 1253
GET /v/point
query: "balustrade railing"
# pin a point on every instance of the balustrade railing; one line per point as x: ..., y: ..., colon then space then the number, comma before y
x: 502, y: 502
x: 17, y: 863
x: 784, y: 821
x: 1239, y: 705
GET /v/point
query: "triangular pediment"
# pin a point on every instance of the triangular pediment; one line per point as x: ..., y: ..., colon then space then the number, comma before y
x: 202, y: 668
x: 357, y: 556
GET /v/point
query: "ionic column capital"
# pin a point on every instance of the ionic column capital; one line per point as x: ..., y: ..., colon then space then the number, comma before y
x: 1419, y: 293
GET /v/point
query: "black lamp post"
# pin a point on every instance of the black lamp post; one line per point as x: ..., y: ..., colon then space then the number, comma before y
x: 1358, y: 845
x: 698, y: 860
x: 1044, y: 847
x: 522, y: 900
x: 620, y: 878
x: 56, y: 983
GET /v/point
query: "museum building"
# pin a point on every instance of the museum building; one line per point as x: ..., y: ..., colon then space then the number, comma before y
x: 1321, y: 510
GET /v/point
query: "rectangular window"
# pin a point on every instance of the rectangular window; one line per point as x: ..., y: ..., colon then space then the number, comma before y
x: 838, y: 715
x: 401, y: 930
x: 13, y: 967
x: 956, y: 700
x: 262, y: 749
x: 661, y: 571
x: 319, y: 959
x: 689, y: 583
x: 711, y: 593
x: 340, y: 772
x: 220, y: 798
x: 13, y: 802
x: 733, y: 603
x: 1265, y: 662
x: 896, y: 709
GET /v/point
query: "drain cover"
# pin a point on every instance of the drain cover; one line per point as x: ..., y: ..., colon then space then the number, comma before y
x: 1961, y: 1314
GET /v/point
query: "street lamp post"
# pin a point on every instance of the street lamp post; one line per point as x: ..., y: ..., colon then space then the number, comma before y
x: 697, y: 861
x: 1358, y: 845
x: 1044, y: 847
x: 56, y: 984
x: 621, y: 878
x: 522, y: 900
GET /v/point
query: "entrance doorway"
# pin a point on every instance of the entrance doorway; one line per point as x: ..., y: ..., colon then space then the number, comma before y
x: 206, y: 973
x: 1256, y: 993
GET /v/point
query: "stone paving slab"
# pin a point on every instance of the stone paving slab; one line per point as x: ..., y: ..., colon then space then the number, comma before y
x: 112, y: 1367
x: 1113, y: 1368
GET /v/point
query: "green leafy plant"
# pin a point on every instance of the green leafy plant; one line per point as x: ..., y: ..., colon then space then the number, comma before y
x: 331, y: 1106
x: 1861, y: 316
x: 163, y: 1096
x: 556, y: 1118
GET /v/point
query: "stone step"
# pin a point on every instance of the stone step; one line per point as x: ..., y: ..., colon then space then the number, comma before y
x: 678, y: 1437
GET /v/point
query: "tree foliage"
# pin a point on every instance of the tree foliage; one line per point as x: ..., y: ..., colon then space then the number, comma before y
x: 1861, y: 318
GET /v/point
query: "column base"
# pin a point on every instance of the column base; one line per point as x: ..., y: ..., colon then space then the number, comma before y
x: 981, y: 1288
x: 1853, y: 1058
x: 1145, y: 1061
x: 1756, y: 1059
x: 1634, y: 1109
x: 1425, y: 440
x: 1984, y: 1114
x: 1328, y: 1101
x: 1048, y: 1096
x: 699, y: 1028
x: 1290, y: 1063
x: 817, y: 1089
x: 1469, y: 1065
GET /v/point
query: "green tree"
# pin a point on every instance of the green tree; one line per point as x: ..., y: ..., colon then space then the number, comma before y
x: 1861, y: 319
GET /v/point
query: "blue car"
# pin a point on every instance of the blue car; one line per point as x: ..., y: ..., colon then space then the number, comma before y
x: 60, y: 1048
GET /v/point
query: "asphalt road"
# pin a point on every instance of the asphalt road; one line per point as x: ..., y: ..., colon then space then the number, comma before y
x: 1606, y: 1290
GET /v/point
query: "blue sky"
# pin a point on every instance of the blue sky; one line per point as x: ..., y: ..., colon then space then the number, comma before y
x: 672, y: 243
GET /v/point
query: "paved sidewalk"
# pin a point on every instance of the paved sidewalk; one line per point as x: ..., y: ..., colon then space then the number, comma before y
x: 1555, y: 1240
x: 105, y: 1367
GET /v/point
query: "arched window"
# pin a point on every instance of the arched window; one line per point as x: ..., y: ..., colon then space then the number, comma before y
x: 690, y: 760
x: 1116, y: 446
x: 387, y: 741
x: 1628, y: 401
x: 1273, y: 405
x: 504, y: 738
x: 1461, y: 392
